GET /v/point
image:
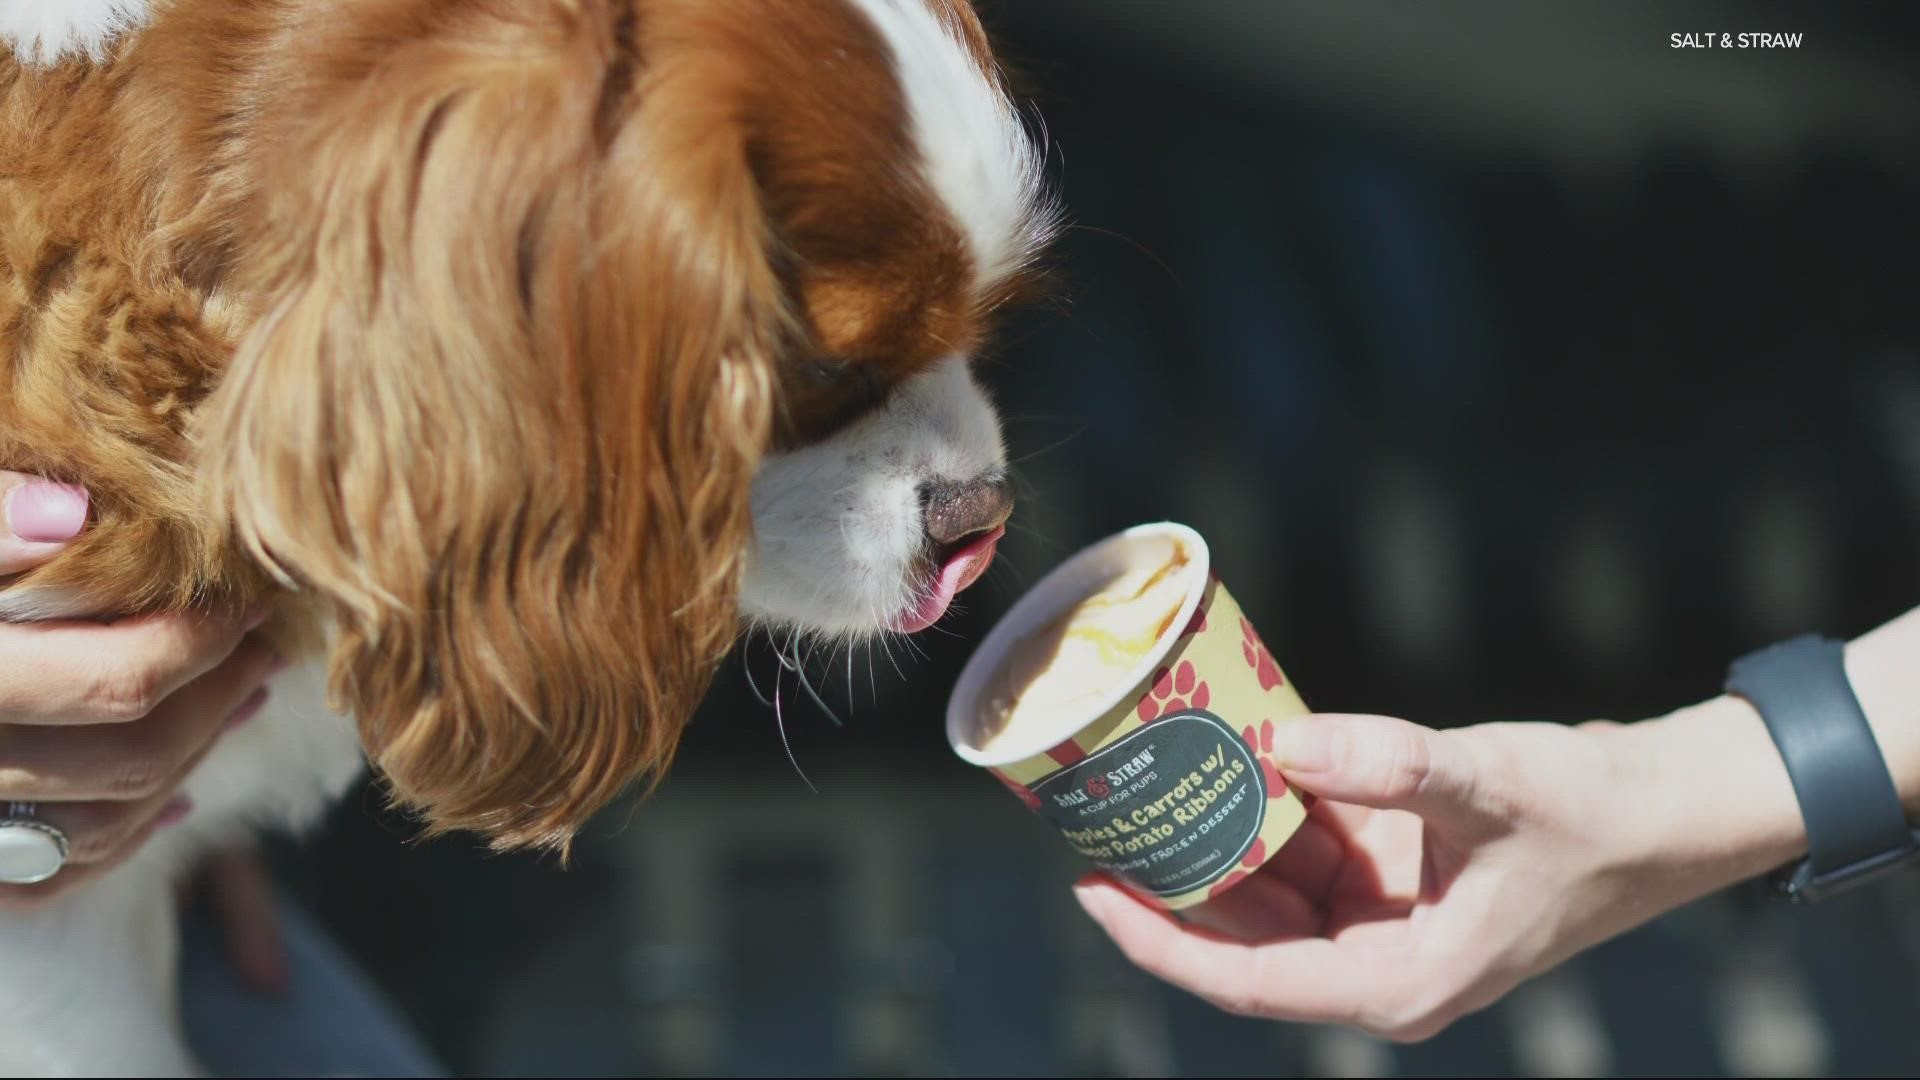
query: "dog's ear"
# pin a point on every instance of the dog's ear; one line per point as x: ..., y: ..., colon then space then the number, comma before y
x: 503, y: 405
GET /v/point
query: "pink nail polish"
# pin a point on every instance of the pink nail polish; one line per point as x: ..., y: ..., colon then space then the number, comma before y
x: 46, y: 513
x: 175, y: 810
x: 248, y: 710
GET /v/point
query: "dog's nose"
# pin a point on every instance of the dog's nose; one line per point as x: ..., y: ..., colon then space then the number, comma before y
x: 955, y: 511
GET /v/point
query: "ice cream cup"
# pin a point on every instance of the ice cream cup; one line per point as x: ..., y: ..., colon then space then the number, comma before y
x: 1168, y: 783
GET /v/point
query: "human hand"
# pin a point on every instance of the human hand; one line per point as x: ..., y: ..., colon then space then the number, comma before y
x: 100, y: 722
x: 1438, y: 870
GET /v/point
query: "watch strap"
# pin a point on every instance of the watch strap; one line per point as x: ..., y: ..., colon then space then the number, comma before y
x: 1856, y: 826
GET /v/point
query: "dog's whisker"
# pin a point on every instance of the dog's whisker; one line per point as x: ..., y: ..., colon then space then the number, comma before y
x: 1136, y: 245
x: 886, y: 646
x: 800, y: 673
x: 948, y: 632
x: 1049, y: 448
x: 746, y: 668
x: 1009, y: 568
x: 1036, y: 418
x: 913, y: 648
x: 780, y: 723
x: 1045, y: 541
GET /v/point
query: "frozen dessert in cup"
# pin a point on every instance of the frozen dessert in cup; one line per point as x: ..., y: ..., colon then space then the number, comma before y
x: 1127, y: 699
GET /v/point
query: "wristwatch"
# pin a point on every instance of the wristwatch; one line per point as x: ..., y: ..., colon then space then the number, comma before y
x: 1856, y: 827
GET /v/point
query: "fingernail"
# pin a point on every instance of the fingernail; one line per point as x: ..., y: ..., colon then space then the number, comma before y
x: 176, y: 809
x: 46, y: 513
x: 248, y: 710
x: 1304, y: 745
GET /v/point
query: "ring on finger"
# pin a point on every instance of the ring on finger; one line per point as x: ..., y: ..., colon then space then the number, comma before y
x: 31, y: 850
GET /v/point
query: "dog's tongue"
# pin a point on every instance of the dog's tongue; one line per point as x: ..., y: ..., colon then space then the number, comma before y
x: 961, y: 569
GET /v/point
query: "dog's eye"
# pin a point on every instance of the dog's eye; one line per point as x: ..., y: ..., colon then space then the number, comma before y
x: 828, y: 372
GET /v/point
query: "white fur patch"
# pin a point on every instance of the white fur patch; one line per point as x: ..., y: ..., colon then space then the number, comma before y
x: 974, y: 150
x: 90, y: 980
x: 46, y: 31
x: 838, y: 530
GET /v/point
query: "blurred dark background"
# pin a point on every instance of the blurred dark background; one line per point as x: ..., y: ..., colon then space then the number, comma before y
x: 1516, y: 365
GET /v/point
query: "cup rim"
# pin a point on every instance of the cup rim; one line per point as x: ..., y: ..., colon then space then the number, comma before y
x: 1047, y: 599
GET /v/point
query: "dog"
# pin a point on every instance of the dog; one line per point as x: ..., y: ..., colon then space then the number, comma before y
x: 515, y: 354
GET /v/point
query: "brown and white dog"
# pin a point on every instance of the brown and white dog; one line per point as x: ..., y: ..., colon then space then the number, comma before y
x: 515, y: 353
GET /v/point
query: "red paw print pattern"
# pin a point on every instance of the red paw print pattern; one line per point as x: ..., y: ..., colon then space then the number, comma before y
x: 1262, y: 747
x: 1258, y: 658
x: 1248, y: 864
x: 1174, y: 690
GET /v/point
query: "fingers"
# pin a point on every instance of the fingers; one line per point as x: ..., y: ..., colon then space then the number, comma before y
x: 102, y: 831
x: 1306, y: 979
x: 1379, y: 761
x: 243, y: 897
x: 97, y: 831
x: 102, y: 835
x: 97, y: 673
x: 1262, y: 906
x: 131, y: 762
x: 1310, y: 860
x: 37, y: 518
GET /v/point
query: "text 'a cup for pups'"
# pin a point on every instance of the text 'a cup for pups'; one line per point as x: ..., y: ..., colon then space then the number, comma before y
x: 1128, y: 700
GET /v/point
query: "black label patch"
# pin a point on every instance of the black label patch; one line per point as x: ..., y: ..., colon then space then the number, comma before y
x: 1170, y: 807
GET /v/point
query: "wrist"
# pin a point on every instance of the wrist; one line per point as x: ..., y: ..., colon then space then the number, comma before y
x: 1886, y: 681
x: 1717, y: 806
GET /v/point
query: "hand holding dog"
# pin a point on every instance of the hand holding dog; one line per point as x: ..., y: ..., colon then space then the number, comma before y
x: 100, y: 722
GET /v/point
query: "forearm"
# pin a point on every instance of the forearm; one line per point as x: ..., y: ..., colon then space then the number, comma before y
x: 1884, y: 667
x: 1720, y: 808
